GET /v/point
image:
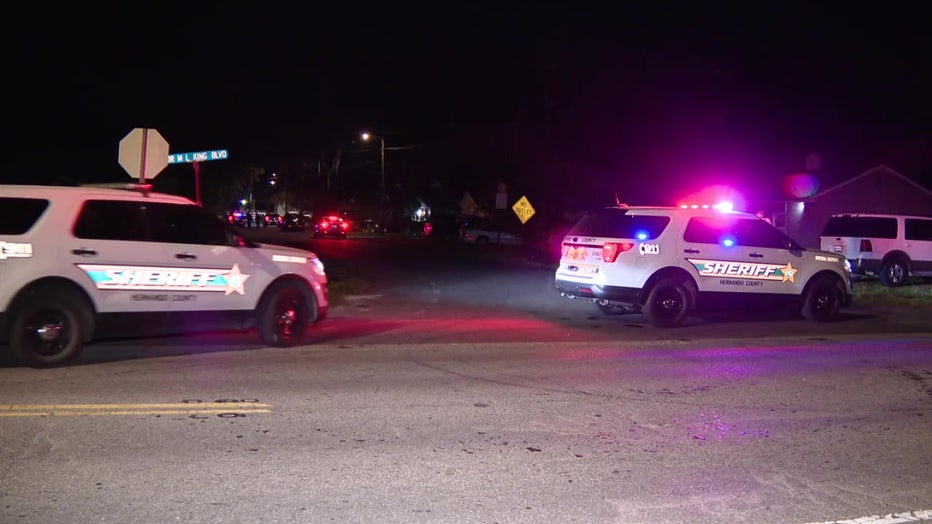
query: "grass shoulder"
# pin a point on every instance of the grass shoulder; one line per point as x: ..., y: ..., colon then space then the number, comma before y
x: 916, y: 292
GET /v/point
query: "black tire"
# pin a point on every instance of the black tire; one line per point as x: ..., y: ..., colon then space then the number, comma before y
x: 823, y: 299
x: 46, y: 328
x: 284, y: 314
x: 669, y: 303
x: 894, y: 272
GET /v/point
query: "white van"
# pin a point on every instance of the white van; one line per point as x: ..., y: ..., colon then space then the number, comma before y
x: 890, y: 247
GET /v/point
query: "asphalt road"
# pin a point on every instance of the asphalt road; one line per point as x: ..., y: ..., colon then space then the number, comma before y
x: 459, y: 387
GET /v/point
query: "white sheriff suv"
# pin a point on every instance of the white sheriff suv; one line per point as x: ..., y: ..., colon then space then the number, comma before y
x: 668, y: 262
x: 79, y: 263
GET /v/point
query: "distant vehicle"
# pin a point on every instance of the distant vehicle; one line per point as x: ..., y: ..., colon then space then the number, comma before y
x: 236, y: 218
x: 273, y: 220
x: 890, y: 247
x: 369, y: 225
x: 331, y: 226
x: 443, y: 227
x: 484, y: 231
x: 292, y: 222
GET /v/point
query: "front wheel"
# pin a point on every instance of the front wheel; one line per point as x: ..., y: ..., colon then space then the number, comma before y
x: 823, y: 300
x: 894, y: 272
x: 46, y: 329
x: 669, y: 303
x: 284, y: 315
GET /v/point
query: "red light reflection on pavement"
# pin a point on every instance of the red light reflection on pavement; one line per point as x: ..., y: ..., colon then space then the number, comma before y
x: 415, y: 330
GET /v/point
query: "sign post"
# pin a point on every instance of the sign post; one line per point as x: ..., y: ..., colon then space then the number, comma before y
x: 143, y: 153
x: 196, y: 159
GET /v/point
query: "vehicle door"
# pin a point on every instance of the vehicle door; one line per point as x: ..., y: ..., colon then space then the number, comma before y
x: 772, y: 262
x: 710, y: 254
x: 111, y: 250
x: 918, y: 234
x: 739, y: 254
x: 215, y: 269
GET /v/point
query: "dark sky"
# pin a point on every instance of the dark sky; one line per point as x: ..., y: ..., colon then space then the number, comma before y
x: 571, y: 98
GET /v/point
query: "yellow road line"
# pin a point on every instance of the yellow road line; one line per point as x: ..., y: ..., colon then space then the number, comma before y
x: 188, y: 405
x: 203, y: 408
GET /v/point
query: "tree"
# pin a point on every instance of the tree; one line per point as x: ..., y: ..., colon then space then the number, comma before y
x: 226, y: 186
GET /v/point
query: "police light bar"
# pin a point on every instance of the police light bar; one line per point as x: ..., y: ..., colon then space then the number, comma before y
x: 721, y: 206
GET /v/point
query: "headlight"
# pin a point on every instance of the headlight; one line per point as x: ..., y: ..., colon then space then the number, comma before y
x: 318, y: 266
x: 847, y: 266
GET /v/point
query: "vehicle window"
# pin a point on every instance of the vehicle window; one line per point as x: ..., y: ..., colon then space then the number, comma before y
x: 918, y: 229
x: 185, y: 224
x: 734, y: 231
x: 758, y: 233
x: 111, y: 220
x: 848, y: 226
x: 617, y: 223
x: 17, y: 215
x: 708, y: 230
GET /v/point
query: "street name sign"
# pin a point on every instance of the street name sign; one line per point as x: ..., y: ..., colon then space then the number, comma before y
x: 200, y: 156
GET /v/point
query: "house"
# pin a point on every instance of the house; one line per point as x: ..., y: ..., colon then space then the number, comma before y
x: 877, y: 190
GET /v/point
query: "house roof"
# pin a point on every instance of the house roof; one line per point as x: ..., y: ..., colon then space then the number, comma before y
x: 882, y: 168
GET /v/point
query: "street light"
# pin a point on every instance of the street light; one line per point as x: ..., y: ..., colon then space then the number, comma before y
x: 365, y: 138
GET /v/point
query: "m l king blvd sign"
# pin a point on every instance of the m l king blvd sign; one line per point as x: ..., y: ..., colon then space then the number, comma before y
x: 200, y: 156
x: 195, y: 159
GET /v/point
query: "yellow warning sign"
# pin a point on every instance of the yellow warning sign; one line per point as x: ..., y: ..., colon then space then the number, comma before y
x: 523, y: 209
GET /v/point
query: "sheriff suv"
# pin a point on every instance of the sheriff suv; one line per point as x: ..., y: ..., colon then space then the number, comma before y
x: 668, y: 261
x: 79, y: 263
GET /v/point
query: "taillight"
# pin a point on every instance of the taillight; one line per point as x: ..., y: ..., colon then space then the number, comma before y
x: 611, y: 250
x: 324, y: 224
x: 344, y: 225
x: 866, y: 245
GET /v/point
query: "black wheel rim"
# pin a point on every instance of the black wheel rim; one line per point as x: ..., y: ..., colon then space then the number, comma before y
x: 824, y: 301
x: 668, y: 304
x: 47, y: 333
x: 288, y: 310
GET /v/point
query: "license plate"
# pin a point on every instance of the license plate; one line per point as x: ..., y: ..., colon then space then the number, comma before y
x: 577, y: 253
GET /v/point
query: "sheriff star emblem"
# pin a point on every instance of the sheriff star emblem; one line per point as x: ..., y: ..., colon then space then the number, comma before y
x: 235, y: 281
x: 789, y: 273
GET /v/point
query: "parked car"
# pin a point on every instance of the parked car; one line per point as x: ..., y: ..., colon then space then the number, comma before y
x: 292, y: 222
x: 669, y: 262
x: 331, y: 226
x: 443, y: 227
x: 79, y: 263
x: 484, y: 231
x: 890, y: 247
x: 272, y: 220
x: 236, y: 218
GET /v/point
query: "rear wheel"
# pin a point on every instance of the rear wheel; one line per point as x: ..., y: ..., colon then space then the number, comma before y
x: 669, y: 303
x: 46, y: 328
x: 823, y: 299
x: 894, y: 272
x: 284, y: 314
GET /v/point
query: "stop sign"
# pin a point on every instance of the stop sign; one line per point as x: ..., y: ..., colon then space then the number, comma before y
x: 143, y: 153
